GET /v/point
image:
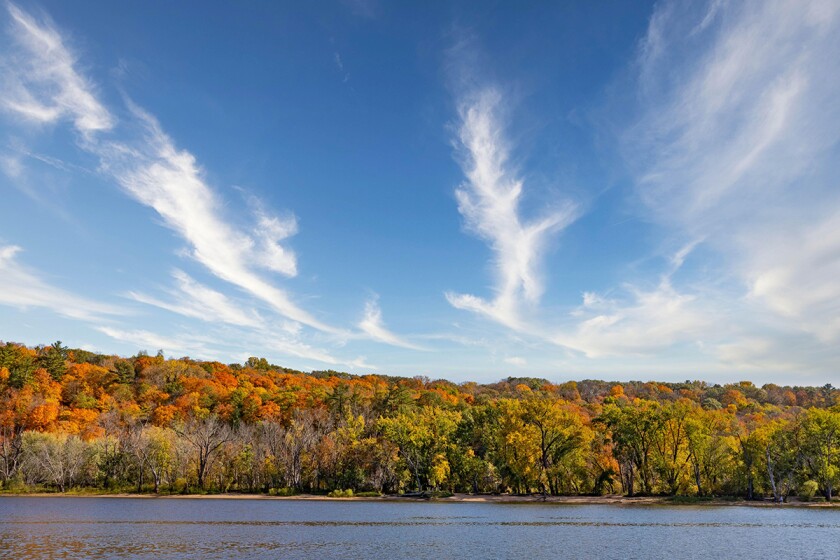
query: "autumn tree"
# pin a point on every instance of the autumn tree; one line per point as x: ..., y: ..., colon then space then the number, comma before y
x: 560, y: 433
x: 424, y: 438
x: 635, y: 429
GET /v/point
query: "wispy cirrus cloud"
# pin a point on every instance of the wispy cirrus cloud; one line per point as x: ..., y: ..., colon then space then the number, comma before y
x: 373, y: 325
x: 182, y: 344
x: 639, y: 320
x: 232, y: 324
x: 733, y: 144
x: 42, y: 85
x: 23, y: 288
x: 489, y: 201
x: 193, y: 299
x: 738, y: 140
x: 221, y: 343
x: 169, y: 180
x: 39, y: 82
x: 641, y: 323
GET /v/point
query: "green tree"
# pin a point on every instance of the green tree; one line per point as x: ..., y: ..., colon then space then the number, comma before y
x: 821, y: 447
x: 20, y: 362
x: 54, y: 359
x: 781, y: 456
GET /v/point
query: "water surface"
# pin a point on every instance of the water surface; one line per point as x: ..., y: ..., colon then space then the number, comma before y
x: 203, y: 528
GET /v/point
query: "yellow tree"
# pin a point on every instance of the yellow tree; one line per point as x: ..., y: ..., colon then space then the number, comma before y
x: 560, y: 433
x: 673, y: 451
x: 424, y: 438
x: 713, y: 448
x: 518, y: 450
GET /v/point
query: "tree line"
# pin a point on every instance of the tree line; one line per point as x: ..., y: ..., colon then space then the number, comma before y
x: 70, y: 418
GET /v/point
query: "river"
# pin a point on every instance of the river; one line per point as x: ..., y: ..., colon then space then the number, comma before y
x: 36, y: 528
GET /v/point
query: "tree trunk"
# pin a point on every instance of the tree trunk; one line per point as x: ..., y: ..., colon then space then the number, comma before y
x: 697, y: 479
x: 773, y: 486
x: 202, y: 469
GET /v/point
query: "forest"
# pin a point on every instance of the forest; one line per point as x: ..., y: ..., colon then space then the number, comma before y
x: 73, y: 420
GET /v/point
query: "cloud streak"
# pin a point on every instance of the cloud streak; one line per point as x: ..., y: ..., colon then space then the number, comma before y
x: 23, y: 288
x: 738, y: 140
x: 196, y: 300
x: 169, y: 180
x: 489, y: 202
x: 44, y: 86
x: 374, y: 327
x: 40, y: 83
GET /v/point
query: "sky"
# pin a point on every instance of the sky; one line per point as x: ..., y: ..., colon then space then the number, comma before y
x: 461, y: 190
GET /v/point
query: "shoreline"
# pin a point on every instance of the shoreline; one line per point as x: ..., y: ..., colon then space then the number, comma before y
x: 613, y: 499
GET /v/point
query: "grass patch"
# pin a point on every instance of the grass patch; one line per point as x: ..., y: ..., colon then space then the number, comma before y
x: 368, y: 494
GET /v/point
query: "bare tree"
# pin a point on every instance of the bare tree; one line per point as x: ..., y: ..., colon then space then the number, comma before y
x: 299, y: 441
x: 57, y: 459
x: 151, y: 448
x: 206, y: 436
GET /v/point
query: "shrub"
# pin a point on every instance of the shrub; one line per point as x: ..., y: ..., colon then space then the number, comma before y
x: 808, y: 489
x: 341, y: 493
x: 368, y: 494
x: 180, y: 486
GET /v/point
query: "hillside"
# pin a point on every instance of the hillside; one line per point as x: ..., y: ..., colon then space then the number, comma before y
x: 72, y: 418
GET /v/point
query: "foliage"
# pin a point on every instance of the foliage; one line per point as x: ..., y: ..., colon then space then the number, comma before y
x: 72, y: 419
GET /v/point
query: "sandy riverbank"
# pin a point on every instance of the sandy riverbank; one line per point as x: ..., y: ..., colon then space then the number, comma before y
x: 457, y: 498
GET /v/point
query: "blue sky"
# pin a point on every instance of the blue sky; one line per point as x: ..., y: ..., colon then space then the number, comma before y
x: 623, y: 190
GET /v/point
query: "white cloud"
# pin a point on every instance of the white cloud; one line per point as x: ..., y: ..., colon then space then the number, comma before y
x: 516, y: 361
x: 23, y: 288
x: 43, y: 85
x: 218, y: 341
x: 373, y: 326
x: 193, y: 299
x: 11, y: 166
x: 271, y: 255
x: 171, y: 345
x: 738, y: 142
x: 340, y: 65
x: 489, y: 202
x: 795, y: 272
x: 40, y: 84
x: 257, y: 334
x: 645, y: 322
x: 170, y: 181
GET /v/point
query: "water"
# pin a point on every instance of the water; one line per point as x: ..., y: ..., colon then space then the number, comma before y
x: 34, y: 528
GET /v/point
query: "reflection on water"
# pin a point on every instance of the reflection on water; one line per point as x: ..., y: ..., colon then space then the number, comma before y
x: 178, y: 529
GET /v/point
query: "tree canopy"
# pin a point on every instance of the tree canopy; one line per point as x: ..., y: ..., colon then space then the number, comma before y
x: 69, y: 418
